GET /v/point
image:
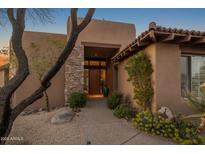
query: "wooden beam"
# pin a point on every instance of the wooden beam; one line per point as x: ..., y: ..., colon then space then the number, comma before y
x: 142, y: 43
x: 168, y: 38
x: 200, y: 40
x: 185, y: 39
x: 152, y: 36
x: 133, y: 48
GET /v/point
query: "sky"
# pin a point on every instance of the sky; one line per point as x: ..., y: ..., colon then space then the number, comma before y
x: 179, y: 18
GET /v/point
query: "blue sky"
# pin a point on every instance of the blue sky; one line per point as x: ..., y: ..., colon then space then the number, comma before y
x: 180, y: 18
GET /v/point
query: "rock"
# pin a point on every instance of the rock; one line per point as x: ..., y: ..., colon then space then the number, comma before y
x: 40, y: 110
x: 62, y: 117
x: 166, y: 112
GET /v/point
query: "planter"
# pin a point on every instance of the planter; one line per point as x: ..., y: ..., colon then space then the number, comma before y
x: 105, y: 91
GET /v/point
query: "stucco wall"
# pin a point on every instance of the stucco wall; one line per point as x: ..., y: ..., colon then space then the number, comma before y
x: 166, y: 78
x: 123, y: 85
x: 56, y: 91
x: 106, y: 32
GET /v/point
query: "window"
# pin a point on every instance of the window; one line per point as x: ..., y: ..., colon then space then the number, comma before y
x: 86, y: 80
x: 192, y: 74
x: 103, y: 63
x: 185, y: 74
x: 86, y: 62
x: 95, y: 63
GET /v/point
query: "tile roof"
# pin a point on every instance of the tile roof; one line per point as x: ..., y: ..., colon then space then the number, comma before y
x: 157, y: 33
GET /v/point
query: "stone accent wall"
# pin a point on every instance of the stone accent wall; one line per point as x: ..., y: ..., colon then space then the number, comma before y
x: 74, y: 71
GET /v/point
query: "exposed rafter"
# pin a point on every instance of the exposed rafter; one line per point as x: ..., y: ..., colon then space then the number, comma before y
x: 167, y: 38
x: 200, y: 40
x: 161, y: 34
x: 185, y: 39
x: 152, y: 36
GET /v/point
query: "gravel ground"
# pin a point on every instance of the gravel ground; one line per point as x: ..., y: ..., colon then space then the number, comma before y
x: 37, y: 129
x: 95, y: 124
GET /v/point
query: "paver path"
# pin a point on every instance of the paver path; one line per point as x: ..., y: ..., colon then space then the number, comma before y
x: 95, y: 124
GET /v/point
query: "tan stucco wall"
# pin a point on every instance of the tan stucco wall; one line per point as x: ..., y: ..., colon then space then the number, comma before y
x: 56, y: 91
x: 166, y: 78
x: 106, y: 32
x: 124, y: 86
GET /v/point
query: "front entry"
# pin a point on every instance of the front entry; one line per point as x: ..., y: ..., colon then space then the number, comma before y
x: 94, y: 76
x: 94, y: 81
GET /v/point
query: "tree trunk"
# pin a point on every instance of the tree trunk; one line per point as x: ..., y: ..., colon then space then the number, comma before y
x: 47, y: 103
x: 5, y: 122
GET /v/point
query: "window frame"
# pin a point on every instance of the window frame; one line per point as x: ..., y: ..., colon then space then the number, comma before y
x: 189, y: 56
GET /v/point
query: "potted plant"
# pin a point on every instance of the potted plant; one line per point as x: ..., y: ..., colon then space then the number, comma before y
x: 105, y: 90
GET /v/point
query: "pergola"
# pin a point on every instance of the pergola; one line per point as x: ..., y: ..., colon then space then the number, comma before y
x: 164, y: 35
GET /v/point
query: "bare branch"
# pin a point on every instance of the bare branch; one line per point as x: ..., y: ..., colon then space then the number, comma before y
x: 74, y: 17
x: 28, y: 101
x: 10, y: 13
x: 86, y: 20
x: 18, y: 25
x: 40, y: 15
x: 56, y: 67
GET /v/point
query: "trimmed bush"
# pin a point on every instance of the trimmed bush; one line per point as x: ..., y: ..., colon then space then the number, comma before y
x: 122, y: 111
x: 181, y: 132
x: 114, y: 100
x: 77, y: 100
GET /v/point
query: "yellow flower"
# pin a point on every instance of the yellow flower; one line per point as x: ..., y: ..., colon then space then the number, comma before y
x: 202, y: 87
x: 202, y: 124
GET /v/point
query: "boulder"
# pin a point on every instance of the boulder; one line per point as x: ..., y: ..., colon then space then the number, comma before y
x: 166, y: 112
x: 62, y: 117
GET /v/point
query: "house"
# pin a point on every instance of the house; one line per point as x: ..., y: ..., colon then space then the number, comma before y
x: 100, y: 57
x: 88, y: 66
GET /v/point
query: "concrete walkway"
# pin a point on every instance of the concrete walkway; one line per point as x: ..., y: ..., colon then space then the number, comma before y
x: 95, y: 124
x: 99, y: 126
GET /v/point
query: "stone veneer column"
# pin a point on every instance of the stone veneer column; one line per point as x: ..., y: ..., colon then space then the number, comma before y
x: 74, y: 71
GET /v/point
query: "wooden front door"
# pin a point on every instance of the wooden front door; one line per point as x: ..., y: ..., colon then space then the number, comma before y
x: 94, y: 81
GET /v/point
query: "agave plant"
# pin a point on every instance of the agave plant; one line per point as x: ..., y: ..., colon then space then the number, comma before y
x: 197, y: 102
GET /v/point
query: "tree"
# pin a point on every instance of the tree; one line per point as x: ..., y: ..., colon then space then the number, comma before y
x: 17, y: 20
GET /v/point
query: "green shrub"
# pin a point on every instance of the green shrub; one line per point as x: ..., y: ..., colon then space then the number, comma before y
x: 139, y: 69
x: 122, y: 111
x: 181, y: 132
x: 77, y: 100
x: 114, y: 100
